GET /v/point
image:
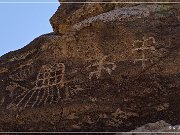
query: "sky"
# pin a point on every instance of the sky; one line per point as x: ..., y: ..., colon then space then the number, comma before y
x: 21, y: 23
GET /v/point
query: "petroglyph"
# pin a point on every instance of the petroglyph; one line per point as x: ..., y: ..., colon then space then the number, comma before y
x: 164, y: 106
x: 2, y: 101
x: 3, y: 70
x: 118, y: 116
x: 47, y: 90
x: 145, y: 45
x: 93, y: 99
x: 102, y: 65
x: 51, y: 75
x: 22, y: 73
x: 71, y: 116
x: 72, y: 91
x: 12, y: 88
x: 88, y: 119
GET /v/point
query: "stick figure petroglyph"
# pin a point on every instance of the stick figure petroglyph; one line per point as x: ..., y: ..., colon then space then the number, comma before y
x: 144, y: 47
x: 101, y: 65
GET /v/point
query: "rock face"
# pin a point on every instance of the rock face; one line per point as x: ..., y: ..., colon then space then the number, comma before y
x: 106, y: 67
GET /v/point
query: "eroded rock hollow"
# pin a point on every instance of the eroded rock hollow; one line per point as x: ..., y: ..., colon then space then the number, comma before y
x: 106, y: 67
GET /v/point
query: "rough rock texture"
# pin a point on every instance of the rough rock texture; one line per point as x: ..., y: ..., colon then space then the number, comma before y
x: 69, y: 14
x: 104, y: 68
x: 158, y: 128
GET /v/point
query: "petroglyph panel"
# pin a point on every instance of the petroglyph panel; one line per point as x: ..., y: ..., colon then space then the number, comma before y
x: 13, y: 87
x: 47, y: 90
x: 100, y: 66
x: 37, y: 97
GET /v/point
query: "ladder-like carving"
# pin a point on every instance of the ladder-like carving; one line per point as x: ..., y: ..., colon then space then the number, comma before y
x: 71, y: 91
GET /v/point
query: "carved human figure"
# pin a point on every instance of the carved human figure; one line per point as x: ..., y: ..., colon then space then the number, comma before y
x: 100, y: 66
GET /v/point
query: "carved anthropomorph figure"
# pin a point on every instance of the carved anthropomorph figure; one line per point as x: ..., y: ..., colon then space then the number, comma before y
x: 145, y: 45
x: 47, y: 90
x: 100, y: 66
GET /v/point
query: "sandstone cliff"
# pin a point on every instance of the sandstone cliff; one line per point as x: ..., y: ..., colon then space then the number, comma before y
x: 106, y: 67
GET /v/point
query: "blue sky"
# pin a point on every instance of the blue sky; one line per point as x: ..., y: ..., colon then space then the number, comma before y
x: 21, y: 23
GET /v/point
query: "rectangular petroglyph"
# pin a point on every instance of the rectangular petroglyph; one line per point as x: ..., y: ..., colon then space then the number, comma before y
x: 51, y: 75
x: 72, y: 91
x: 144, y: 46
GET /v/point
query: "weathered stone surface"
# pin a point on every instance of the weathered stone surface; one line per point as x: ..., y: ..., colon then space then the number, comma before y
x: 112, y: 69
x: 71, y: 13
x: 160, y: 127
